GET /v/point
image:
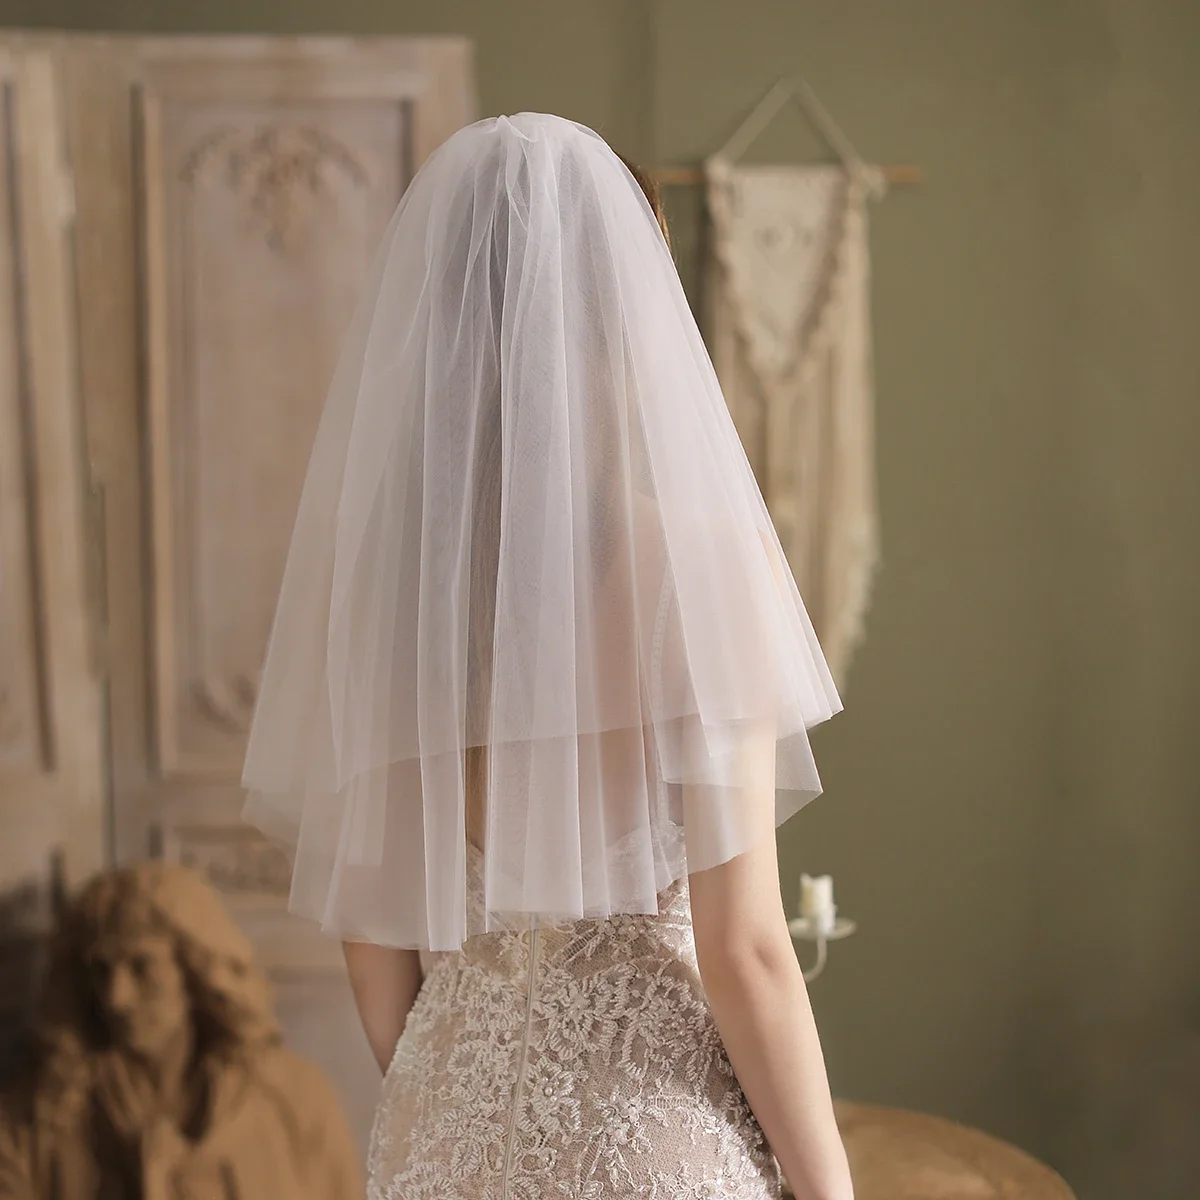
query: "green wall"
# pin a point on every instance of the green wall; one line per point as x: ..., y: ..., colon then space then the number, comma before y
x: 1011, y: 803
x: 1120, y: 950
x: 939, y: 768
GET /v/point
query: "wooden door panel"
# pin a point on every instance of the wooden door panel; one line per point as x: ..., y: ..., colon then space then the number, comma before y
x: 232, y: 192
x: 52, y: 794
x: 261, y: 217
x: 51, y: 762
x: 22, y: 676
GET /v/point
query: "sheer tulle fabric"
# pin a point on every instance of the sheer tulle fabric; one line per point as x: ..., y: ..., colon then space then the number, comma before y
x: 533, y: 595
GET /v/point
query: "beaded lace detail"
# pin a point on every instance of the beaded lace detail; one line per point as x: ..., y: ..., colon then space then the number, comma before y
x: 580, y: 1062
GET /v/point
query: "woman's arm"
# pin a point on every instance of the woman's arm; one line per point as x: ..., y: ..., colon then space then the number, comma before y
x: 756, y: 989
x: 385, y: 982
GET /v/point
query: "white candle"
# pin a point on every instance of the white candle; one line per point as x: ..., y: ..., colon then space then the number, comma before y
x: 816, y: 901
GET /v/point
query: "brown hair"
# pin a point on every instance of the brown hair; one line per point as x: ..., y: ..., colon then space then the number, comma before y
x: 650, y: 188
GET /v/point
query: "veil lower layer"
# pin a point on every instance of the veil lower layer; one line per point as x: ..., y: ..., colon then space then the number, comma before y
x: 533, y: 600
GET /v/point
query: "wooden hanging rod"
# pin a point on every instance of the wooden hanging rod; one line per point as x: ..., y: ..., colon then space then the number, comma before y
x: 898, y: 175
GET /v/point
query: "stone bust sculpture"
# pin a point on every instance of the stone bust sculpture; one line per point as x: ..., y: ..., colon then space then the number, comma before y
x: 159, y: 1070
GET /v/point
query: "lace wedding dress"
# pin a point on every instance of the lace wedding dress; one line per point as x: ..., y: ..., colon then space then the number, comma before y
x: 580, y: 1062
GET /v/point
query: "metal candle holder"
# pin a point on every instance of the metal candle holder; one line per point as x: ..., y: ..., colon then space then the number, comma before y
x: 808, y: 929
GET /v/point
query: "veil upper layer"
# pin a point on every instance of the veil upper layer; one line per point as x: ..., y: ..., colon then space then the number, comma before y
x: 532, y: 576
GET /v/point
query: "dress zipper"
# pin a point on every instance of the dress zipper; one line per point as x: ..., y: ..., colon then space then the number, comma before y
x: 520, y: 1084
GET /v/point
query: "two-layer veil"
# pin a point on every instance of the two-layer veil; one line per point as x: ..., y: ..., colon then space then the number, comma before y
x: 535, y: 620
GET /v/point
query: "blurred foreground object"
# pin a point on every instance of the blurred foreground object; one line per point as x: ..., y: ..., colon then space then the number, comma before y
x: 898, y: 1155
x: 159, y: 1069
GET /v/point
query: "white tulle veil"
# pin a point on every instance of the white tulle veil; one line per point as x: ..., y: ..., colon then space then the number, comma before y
x: 534, y: 611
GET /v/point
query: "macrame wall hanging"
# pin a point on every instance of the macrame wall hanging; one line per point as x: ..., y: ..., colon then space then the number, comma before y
x: 788, y: 325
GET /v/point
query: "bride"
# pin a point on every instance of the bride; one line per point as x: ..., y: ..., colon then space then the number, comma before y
x: 536, y: 698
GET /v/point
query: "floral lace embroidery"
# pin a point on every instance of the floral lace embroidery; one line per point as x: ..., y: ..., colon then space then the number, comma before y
x: 611, y: 1081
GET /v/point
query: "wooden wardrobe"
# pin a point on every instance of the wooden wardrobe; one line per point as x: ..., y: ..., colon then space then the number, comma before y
x: 186, y: 223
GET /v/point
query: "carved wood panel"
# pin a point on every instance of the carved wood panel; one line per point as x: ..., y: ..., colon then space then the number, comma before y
x: 239, y: 862
x: 22, y: 679
x: 231, y: 193
x: 51, y: 775
x: 260, y: 220
x: 51, y: 759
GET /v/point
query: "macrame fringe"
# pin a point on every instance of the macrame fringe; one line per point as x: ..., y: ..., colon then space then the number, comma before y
x: 821, y: 339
